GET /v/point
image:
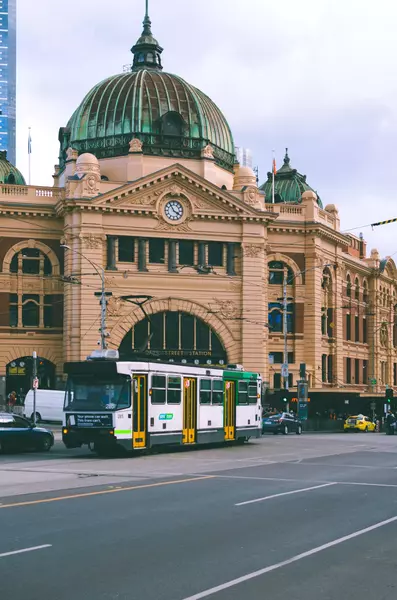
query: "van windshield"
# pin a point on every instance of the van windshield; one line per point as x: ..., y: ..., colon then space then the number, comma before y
x: 88, y: 393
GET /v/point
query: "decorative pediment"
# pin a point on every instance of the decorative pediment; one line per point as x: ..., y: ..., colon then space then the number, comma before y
x: 200, y: 197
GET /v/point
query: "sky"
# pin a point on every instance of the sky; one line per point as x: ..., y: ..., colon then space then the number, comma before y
x: 316, y: 76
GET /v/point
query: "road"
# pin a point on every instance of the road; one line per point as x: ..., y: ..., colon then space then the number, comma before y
x: 304, y: 518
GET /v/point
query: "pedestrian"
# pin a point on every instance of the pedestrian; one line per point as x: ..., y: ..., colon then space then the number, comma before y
x: 11, y: 401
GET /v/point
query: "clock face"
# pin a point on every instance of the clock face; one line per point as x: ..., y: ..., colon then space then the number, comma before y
x: 173, y: 210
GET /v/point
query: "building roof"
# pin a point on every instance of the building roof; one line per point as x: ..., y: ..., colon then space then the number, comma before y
x: 289, y: 185
x: 8, y: 173
x: 170, y: 116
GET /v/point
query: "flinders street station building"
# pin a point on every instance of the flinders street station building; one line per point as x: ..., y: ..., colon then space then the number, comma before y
x: 148, y: 196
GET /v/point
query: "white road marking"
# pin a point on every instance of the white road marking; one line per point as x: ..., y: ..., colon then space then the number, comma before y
x: 359, y: 483
x: 285, y: 563
x: 25, y: 550
x: 315, y: 487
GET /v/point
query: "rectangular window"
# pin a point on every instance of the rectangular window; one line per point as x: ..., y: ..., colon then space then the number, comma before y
x: 13, y: 310
x: 158, y: 389
x: 330, y: 323
x: 330, y: 369
x: 348, y: 370
x: 348, y: 327
x: 277, y: 381
x: 156, y: 251
x: 356, y: 329
x: 217, y: 391
x: 186, y: 252
x: 242, y: 392
x: 174, y: 390
x: 126, y: 249
x: 324, y: 368
x: 394, y: 373
x: 357, y: 371
x: 323, y: 322
x: 30, y: 310
x: 215, y: 254
x: 252, y: 393
x: 365, y: 372
x: 365, y: 331
x: 205, y: 391
x: 277, y: 358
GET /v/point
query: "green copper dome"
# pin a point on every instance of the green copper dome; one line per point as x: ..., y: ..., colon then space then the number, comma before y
x: 8, y: 173
x: 170, y: 117
x: 289, y: 185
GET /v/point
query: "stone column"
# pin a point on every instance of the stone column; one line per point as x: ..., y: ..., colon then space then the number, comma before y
x: 172, y: 256
x: 142, y: 255
x: 312, y: 319
x: 254, y: 303
x: 111, y: 253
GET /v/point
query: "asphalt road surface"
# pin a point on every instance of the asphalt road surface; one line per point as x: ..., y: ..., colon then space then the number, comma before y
x: 302, y: 518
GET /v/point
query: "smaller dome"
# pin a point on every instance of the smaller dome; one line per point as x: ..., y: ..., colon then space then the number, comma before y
x: 289, y: 185
x: 87, y: 159
x: 8, y: 173
x: 243, y: 176
x: 331, y: 208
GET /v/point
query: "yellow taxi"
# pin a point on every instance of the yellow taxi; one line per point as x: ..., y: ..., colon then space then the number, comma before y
x: 359, y: 423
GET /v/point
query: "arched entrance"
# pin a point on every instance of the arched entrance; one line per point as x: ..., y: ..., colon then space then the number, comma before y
x: 174, y: 336
x: 19, y: 375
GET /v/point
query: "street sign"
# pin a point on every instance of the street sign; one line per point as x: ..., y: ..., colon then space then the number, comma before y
x: 35, y: 383
x: 373, y: 381
x: 373, y: 405
x: 284, y: 370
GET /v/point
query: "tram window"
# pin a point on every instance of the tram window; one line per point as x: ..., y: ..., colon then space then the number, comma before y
x: 242, y: 392
x: 205, y: 391
x: 158, y: 389
x: 217, y: 391
x: 174, y: 390
x: 252, y: 393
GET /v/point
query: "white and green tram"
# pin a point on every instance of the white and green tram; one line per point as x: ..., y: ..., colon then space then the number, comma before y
x: 138, y: 405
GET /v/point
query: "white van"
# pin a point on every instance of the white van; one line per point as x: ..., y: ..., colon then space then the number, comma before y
x: 49, y: 405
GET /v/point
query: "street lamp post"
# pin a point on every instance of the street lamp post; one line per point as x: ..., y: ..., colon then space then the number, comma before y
x: 103, y: 294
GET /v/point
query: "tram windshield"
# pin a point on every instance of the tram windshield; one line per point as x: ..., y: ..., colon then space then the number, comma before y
x: 88, y: 393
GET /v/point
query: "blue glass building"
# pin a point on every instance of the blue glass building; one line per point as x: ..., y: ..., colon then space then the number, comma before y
x: 8, y: 51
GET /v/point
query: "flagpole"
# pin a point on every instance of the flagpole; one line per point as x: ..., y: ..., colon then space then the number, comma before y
x: 273, y: 169
x: 29, y: 153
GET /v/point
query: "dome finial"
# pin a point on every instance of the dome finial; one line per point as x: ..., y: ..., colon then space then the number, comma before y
x: 147, y: 51
x: 286, y: 157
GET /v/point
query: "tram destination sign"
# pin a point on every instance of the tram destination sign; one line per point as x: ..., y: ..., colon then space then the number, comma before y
x: 93, y: 420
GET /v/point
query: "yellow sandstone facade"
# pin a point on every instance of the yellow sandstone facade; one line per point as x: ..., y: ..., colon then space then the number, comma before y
x: 162, y: 207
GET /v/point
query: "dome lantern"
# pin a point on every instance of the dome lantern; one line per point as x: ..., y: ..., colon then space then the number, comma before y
x: 147, y: 51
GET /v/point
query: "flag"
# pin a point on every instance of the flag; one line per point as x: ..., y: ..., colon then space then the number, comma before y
x: 274, y: 167
x: 29, y: 143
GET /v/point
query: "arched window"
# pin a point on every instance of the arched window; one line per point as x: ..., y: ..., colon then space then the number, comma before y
x: 172, y: 124
x: 149, y: 57
x: 276, y: 273
x: 31, y: 261
x: 365, y: 291
x: 275, y: 318
x: 141, y: 58
x: 348, y: 286
x: 356, y: 289
x: 34, y: 308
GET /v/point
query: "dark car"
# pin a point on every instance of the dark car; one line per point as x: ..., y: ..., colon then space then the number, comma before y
x: 281, y: 423
x: 17, y: 433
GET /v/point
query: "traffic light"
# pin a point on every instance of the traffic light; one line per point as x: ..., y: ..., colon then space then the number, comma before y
x: 389, y: 394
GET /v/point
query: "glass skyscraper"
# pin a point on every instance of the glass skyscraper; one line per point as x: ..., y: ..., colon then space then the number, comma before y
x: 8, y: 52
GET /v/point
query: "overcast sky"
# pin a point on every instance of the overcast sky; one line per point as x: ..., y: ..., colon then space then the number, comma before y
x: 318, y: 76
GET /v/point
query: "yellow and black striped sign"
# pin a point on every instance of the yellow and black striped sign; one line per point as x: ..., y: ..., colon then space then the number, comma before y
x: 384, y: 222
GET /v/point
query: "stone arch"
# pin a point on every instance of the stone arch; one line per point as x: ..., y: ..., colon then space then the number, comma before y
x: 279, y: 257
x: 126, y: 322
x: 32, y: 244
x: 44, y: 351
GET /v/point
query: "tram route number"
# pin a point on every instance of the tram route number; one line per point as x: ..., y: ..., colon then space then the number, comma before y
x: 166, y: 417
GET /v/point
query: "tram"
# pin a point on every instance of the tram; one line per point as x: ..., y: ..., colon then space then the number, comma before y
x: 137, y: 405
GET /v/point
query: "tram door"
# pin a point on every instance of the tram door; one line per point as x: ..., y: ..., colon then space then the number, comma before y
x: 189, y: 411
x: 229, y: 410
x: 139, y: 411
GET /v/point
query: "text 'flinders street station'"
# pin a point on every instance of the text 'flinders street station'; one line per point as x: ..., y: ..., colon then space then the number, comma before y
x: 148, y: 195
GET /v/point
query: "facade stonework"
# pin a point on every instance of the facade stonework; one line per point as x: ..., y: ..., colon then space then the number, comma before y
x: 193, y: 253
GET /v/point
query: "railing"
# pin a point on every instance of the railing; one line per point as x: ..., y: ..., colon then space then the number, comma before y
x: 30, y: 193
